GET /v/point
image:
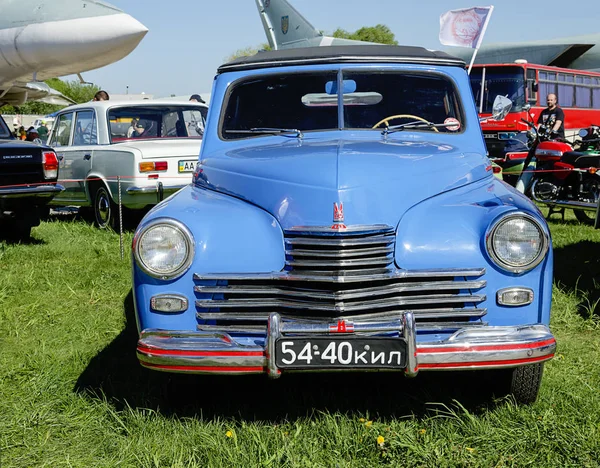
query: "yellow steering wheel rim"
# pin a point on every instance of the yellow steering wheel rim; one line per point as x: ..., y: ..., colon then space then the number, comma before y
x: 401, y: 116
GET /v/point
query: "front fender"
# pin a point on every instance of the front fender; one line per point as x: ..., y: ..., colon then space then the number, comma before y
x: 230, y: 236
x: 448, y: 231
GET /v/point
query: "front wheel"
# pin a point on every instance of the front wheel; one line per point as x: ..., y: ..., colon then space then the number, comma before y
x: 523, y: 382
x: 105, y: 211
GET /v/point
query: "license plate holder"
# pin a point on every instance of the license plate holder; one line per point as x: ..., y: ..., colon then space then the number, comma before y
x: 187, y: 165
x: 342, y: 352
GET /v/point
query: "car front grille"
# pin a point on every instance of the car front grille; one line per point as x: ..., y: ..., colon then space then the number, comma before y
x: 346, y: 275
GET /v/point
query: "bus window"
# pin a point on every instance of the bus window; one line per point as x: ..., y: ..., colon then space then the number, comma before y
x: 503, y: 81
x: 532, y: 87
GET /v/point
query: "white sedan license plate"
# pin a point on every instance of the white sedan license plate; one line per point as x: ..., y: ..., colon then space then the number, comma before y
x: 340, y: 353
x: 187, y: 166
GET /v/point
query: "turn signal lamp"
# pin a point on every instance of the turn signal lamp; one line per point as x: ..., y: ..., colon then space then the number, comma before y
x: 50, y: 163
x: 514, y: 297
x: 593, y: 170
x: 152, y: 166
x: 169, y: 303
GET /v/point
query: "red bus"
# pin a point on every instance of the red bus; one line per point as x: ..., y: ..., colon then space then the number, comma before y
x: 527, y: 85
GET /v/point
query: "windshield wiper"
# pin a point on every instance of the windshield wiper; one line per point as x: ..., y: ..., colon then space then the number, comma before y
x: 415, y: 124
x: 276, y: 131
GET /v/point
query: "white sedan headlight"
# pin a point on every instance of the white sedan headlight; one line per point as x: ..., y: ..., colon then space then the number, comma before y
x: 164, y: 249
x: 517, y: 242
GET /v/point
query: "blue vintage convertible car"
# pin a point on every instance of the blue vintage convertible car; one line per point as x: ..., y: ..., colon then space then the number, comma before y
x: 344, y: 216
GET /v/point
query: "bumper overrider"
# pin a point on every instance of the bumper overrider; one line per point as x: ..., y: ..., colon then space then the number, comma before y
x: 316, y: 346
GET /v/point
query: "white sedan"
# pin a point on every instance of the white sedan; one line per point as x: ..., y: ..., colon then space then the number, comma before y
x: 148, y: 147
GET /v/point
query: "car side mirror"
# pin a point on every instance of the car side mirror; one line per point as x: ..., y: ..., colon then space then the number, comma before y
x: 501, y: 107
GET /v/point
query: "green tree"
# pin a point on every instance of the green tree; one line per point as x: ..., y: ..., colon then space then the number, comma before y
x: 248, y: 51
x: 72, y: 89
x: 380, y: 34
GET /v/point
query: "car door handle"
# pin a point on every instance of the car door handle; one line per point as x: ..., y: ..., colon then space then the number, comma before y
x: 87, y: 156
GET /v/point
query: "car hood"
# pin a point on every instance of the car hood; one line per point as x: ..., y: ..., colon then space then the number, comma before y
x: 298, y: 182
x: 157, y: 148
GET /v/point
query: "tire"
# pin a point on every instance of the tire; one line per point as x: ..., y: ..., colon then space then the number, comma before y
x: 16, y: 232
x: 523, y: 383
x: 105, y: 211
x: 591, y: 186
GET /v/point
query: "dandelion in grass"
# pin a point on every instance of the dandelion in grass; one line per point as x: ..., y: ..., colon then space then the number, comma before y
x: 368, y: 423
x: 422, y: 431
x: 362, y: 420
x: 469, y: 449
x: 380, y: 441
x: 229, y: 434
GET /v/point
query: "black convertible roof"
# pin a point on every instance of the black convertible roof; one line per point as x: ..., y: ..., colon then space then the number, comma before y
x: 342, y: 54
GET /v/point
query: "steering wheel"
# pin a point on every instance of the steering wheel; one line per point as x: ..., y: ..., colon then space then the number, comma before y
x: 386, y: 121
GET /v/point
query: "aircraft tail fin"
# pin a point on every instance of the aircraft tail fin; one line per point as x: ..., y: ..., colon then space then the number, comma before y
x: 284, y: 26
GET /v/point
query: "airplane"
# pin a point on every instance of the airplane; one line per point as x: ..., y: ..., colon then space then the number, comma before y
x: 42, y: 39
x: 286, y: 28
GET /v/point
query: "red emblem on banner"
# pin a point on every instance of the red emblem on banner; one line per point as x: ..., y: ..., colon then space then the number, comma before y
x: 338, y: 212
x: 341, y: 327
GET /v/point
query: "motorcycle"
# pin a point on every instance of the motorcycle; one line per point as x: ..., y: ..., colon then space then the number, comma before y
x: 564, y: 178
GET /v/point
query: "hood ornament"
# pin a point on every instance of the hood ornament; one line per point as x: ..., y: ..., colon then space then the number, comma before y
x: 338, y: 213
x: 338, y: 216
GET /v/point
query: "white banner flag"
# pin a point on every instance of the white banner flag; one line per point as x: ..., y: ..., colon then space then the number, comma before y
x: 465, y: 28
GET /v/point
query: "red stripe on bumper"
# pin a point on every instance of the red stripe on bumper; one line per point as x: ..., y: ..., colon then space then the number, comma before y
x: 204, y: 368
x: 503, y: 347
x: 175, y: 352
x: 442, y: 365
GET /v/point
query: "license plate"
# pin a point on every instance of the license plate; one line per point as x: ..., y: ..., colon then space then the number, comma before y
x: 187, y: 166
x: 492, y: 136
x: 340, y: 353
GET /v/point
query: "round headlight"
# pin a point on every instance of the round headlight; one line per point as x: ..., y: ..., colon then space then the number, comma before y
x: 517, y: 242
x: 164, y: 249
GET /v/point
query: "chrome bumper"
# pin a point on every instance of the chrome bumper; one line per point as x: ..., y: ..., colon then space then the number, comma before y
x: 167, y: 189
x: 218, y: 353
x: 40, y: 191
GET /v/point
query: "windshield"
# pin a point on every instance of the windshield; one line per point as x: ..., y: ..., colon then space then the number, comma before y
x: 503, y: 81
x: 4, y: 131
x: 303, y: 102
x: 152, y: 122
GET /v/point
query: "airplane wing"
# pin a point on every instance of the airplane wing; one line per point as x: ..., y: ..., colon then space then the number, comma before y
x: 19, y: 93
x: 557, y: 55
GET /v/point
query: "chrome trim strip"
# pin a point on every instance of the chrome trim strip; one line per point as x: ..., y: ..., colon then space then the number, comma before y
x: 382, y: 251
x: 332, y: 264
x: 135, y: 190
x: 337, y: 306
x: 37, y: 191
x: 307, y: 292
x: 340, y: 242
x: 341, y: 278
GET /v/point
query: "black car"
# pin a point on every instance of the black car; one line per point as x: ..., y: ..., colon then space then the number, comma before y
x: 28, y: 175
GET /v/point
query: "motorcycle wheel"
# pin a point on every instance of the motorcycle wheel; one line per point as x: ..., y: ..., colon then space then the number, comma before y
x: 588, y: 217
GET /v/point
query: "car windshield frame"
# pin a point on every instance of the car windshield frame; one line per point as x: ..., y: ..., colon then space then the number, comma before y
x: 340, y: 96
x: 155, y: 122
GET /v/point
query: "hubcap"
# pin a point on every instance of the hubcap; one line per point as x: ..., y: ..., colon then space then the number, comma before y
x: 102, y: 208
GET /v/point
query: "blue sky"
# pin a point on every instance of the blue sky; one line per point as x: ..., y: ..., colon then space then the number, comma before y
x: 188, y: 40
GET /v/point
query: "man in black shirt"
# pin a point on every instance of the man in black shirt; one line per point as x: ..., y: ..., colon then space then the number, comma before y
x: 553, y: 117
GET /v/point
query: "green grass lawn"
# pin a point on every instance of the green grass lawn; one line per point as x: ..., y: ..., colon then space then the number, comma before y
x: 73, y: 394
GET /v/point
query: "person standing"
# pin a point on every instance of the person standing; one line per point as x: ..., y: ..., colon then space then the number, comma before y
x: 553, y: 117
x: 43, y: 131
